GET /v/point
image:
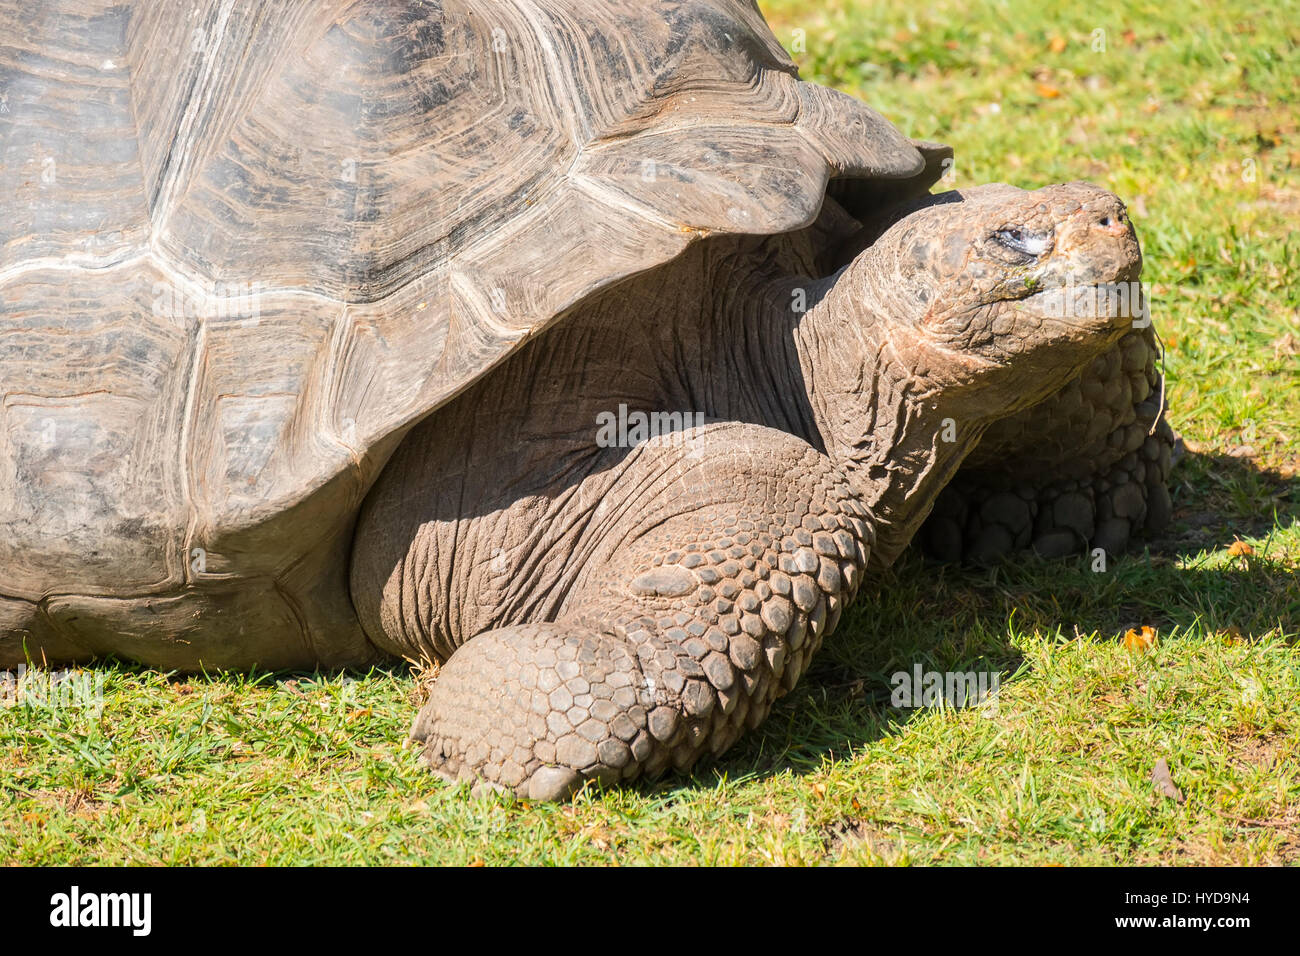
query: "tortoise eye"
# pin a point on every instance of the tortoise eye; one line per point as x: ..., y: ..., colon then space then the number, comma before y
x: 1022, y: 241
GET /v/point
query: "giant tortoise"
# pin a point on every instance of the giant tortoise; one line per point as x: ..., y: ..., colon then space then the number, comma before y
x: 576, y: 344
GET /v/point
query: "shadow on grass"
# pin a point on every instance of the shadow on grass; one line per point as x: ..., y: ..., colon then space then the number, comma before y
x: 951, y: 619
x: 1221, y: 496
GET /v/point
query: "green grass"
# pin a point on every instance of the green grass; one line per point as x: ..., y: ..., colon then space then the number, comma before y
x: 1184, y: 105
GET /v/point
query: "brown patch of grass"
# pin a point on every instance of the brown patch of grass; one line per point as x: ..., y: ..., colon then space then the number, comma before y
x: 850, y: 833
x: 1256, y: 752
x: 425, y: 672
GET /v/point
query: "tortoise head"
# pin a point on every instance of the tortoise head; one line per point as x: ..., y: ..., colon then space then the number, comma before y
x: 1003, y: 294
x: 971, y: 306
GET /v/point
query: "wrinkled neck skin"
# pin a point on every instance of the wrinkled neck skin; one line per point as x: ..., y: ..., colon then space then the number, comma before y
x: 715, y: 334
x: 895, y: 434
x: 845, y: 373
x: 513, y: 469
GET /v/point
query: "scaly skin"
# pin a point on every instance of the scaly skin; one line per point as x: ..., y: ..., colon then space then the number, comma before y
x: 608, y: 613
x: 1087, y: 468
x: 685, y: 636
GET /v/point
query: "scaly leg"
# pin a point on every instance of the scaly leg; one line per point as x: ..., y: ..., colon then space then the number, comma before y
x: 741, y: 549
x: 1081, y: 470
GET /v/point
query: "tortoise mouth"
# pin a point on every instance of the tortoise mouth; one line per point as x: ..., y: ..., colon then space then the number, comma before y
x: 1083, y: 299
x: 1071, y: 315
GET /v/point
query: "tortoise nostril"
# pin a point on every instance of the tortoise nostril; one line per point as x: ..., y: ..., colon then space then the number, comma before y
x: 1107, y: 220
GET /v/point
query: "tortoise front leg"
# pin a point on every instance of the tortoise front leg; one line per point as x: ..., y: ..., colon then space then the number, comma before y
x: 750, y: 545
x: 1083, y: 469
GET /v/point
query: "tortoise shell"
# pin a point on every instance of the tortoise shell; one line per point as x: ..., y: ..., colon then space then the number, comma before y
x: 244, y: 246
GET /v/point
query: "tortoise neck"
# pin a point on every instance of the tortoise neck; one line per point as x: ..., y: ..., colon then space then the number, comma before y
x: 897, y: 439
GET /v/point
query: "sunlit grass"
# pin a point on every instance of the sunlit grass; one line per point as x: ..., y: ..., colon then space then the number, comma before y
x: 1188, y: 113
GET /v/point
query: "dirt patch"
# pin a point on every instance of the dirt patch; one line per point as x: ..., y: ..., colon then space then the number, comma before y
x: 1254, y: 752
x: 74, y: 803
x: 81, y: 803
x: 849, y: 833
x: 1269, y: 754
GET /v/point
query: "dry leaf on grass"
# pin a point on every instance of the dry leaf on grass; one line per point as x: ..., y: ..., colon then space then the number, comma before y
x: 1139, y: 642
x: 1232, y: 634
x: 1164, y: 781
